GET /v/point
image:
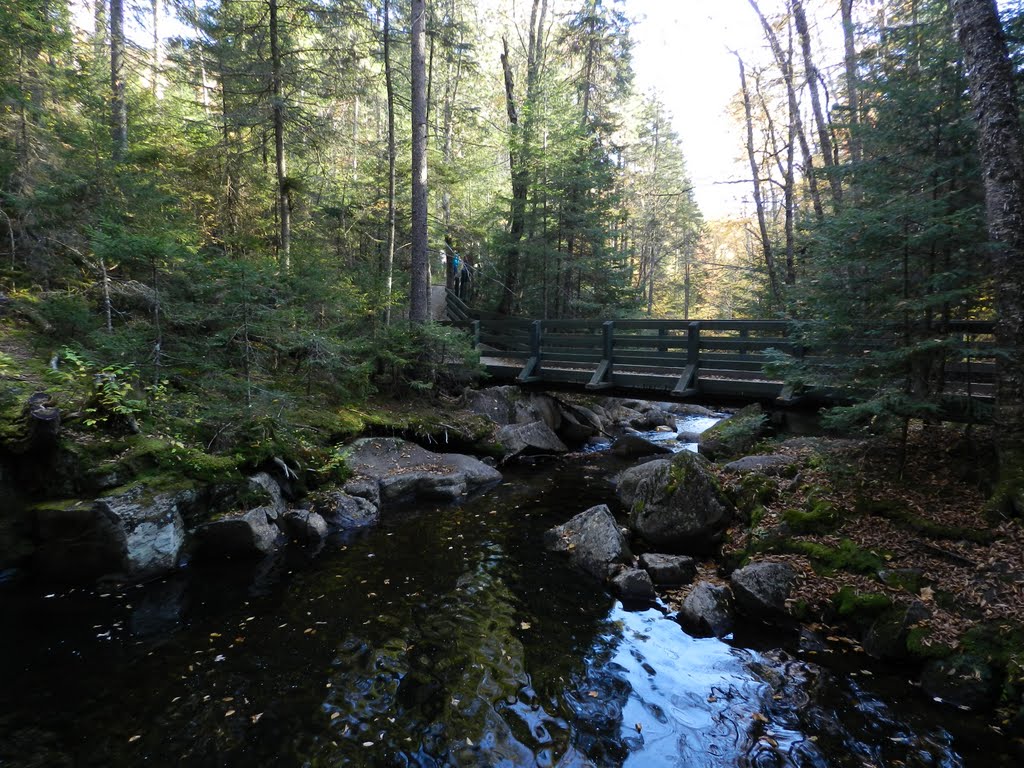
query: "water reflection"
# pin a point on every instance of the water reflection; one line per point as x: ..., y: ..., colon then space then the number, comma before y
x: 447, y: 637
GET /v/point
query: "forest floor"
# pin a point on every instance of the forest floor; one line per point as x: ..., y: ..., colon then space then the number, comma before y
x: 915, y: 514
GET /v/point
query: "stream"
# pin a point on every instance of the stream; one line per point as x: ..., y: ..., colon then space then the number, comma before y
x: 447, y: 636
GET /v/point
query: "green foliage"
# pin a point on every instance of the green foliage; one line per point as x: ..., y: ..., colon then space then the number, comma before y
x: 905, y: 252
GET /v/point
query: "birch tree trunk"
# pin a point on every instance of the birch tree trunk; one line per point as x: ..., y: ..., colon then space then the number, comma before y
x: 389, y: 247
x: 419, y: 289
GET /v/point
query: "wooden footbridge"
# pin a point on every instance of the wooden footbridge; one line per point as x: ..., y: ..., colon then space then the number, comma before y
x: 721, y: 360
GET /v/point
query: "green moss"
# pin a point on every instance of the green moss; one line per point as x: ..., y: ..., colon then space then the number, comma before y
x: 920, y: 645
x: 817, y: 516
x: 859, y: 606
x: 751, y: 492
x: 846, y: 557
x: 903, y: 517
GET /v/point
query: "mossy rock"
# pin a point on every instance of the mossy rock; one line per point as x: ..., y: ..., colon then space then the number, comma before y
x: 921, y: 646
x: 750, y: 492
x: 904, y: 518
x: 734, y: 436
x: 964, y: 680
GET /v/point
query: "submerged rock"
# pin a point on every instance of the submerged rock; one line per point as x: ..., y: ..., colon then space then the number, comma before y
x: 405, y: 470
x: 708, y: 610
x: 592, y: 539
x: 762, y: 589
x: 675, y: 504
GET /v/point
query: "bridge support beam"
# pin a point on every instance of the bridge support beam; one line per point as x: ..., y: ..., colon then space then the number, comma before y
x: 602, y: 378
x: 687, y: 384
x: 531, y: 371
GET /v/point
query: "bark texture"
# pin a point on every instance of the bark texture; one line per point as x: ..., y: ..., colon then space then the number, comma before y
x: 1001, y: 145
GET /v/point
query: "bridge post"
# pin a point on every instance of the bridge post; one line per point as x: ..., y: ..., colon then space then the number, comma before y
x: 531, y: 371
x: 693, y: 344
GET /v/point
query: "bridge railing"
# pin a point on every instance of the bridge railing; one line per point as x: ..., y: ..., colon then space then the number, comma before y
x: 726, y: 357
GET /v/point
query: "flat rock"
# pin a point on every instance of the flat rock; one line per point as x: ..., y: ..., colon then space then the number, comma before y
x: 670, y: 570
x: 771, y: 464
x: 592, y: 539
x: 962, y: 680
x: 405, y: 470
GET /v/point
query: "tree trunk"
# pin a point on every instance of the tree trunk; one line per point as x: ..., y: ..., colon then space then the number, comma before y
x: 389, y: 248
x: 762, y: 223
x: 852, y: 91
x: 990, y: 79
x: 419, y: 289
x: 284, y: 205
x: 118, y: 107
x: 156, y: 85
x: 794, y: 108
x: 510, y: 297
x: 811, y: 73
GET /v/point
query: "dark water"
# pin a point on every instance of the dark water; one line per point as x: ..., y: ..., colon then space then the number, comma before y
x: 445, y: 637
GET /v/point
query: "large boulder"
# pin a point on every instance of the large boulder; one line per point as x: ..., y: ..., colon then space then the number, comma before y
x: 762, y: 589
x: 579, y: 424
x: 135, y: 534
x: 669, y: 570
x: 510, y: 405
x: 405, y: 470
x: 250, y: 535
x: 592, y: 539
x: 529, y: 440
x: 675, y: 504
x: 708, y: 610
x: 736, y: 435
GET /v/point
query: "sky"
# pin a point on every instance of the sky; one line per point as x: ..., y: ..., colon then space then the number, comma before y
x: 682, y: 49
